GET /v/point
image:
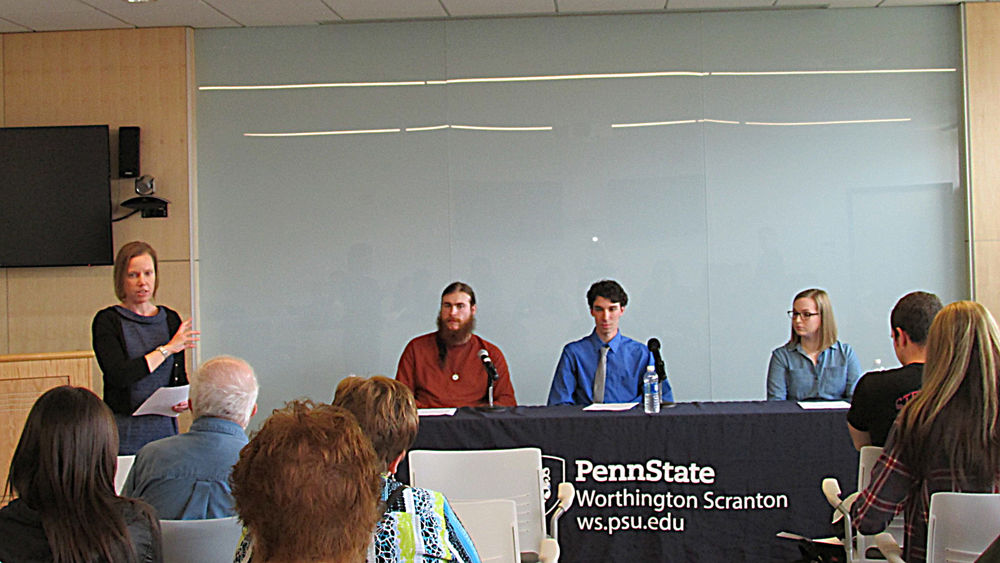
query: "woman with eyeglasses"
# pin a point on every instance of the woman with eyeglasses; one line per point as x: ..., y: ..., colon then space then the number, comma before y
x: 813, y: 364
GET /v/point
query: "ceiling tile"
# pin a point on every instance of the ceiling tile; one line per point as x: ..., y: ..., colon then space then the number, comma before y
x: 853, y: 3
x: 571, y: 6
x: 467, y: 8
x: 791, y: 4
x: 270, y: 12
x: 387, y: 9
x: 717, y: 4
x: 56, y: 15
x: 8, y: 27
x: 164, y: 13
x: 893, y: 3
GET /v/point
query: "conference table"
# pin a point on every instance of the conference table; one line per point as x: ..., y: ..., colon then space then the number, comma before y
x: 696, y: 482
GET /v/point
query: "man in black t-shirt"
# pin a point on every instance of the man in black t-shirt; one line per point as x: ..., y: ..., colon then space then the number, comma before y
x: 880, y: 395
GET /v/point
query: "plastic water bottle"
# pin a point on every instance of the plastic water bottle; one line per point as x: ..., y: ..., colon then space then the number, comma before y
x: 651, y: 391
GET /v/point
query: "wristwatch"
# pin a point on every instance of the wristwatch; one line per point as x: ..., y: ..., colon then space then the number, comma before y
x: 163, y: 350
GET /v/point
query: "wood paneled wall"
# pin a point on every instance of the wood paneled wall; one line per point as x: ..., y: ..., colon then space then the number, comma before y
x: 23, y: 378
x: 982, y: 23
x: 141, y: 77
x: 4, y: 346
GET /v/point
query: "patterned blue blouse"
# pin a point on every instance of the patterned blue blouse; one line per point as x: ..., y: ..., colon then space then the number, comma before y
x: 418, y: 526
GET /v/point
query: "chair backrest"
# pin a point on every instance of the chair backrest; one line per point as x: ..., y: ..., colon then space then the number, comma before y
x: 961, y: 525
x: 514, y: 474
x: 121, y: 472
x: 493, y: 527
x: 205, y: 541
x: 866, y: 461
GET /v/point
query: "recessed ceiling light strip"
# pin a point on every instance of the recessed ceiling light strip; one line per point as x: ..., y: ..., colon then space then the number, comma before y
x: 502, y: 128
x: 832, y: 72
x: 843, y: 122
x: 322, y: 133
x: 562, y: 77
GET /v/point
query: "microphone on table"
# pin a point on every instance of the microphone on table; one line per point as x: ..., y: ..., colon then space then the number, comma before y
x: 654, y: 348
x: 491, y: 370
x: 491, y: 374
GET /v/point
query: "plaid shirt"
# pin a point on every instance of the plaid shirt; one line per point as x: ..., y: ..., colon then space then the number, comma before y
x: 895, y: 488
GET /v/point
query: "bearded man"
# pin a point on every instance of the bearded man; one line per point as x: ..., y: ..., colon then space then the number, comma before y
x: 443, y: 368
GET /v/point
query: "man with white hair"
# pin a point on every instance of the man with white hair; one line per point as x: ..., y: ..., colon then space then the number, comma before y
x: 186, y: 477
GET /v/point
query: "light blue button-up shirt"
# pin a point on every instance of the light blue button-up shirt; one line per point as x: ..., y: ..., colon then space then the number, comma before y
x: 573, y: 383
x: 792, y: 376
x: 186, y: 477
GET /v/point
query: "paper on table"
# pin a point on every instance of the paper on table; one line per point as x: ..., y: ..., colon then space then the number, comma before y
x: 162, y: 401
x: 609, y: 406
x: 436, y: 412
x: 821, y: 405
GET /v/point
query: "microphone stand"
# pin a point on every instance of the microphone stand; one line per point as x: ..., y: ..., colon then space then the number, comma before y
x: 491, y: 378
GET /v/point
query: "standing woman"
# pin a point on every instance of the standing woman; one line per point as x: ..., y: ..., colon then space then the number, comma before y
x: 813, y: 364
x: 63, y: 475
x: 948, y: 437
x: 140, y: 348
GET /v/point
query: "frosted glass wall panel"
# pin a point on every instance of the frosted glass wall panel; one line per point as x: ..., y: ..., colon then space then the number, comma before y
x: 322, y: 255
x: 816, y: 204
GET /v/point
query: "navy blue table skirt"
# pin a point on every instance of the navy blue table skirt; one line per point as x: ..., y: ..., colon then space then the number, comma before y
x: 697, y: 482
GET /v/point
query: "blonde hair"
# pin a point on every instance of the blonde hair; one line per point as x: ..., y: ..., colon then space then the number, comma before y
x: 960, y: 377
x: 827, y: 324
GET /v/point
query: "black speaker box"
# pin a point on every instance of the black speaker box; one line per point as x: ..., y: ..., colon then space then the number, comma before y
x: 128, y: 152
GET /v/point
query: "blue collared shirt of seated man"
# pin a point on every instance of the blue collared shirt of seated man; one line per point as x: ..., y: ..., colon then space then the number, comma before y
x: 627, y: 359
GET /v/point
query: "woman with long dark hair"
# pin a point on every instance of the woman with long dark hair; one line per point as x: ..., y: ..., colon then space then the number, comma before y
x: 948, y: 437
x: 62, y: 473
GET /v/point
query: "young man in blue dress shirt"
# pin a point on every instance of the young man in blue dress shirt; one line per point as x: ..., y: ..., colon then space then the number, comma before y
x: 625, y: 363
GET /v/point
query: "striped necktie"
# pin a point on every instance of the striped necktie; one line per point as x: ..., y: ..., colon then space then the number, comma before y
x: 599, y: 375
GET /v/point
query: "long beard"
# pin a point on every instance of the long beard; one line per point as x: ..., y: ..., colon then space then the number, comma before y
x: 457, y: 336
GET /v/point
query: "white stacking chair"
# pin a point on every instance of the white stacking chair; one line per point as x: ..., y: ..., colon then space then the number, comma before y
x: 866, y: 461
x: 960, y: 526
x: 858, y: 550
x: 493, y: 527
x: 121, y: 472
x: 204, y: 541
x: 514, y: 474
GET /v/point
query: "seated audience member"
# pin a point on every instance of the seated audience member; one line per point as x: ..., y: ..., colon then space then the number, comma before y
x: 418, y: 524
x: 576, y: 381
x: 63, y: 475
x: 186, y: 477
x: 813, y: 364
x: 947, y: 438
x: 443, y: 368
x: 306, y: 486
x: 880, y: 395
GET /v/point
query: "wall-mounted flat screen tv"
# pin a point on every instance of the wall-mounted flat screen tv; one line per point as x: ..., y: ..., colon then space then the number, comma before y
x: 55, y: 196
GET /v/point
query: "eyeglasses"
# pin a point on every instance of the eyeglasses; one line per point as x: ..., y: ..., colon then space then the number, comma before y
x: 804, y: 316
